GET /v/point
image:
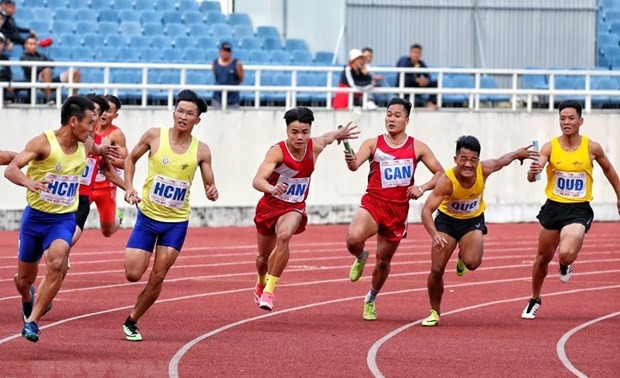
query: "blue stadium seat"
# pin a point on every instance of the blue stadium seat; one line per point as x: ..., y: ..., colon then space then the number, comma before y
x: 139, y: 41
x: 115, y: 40
x: 160, y: 41
x: 610, y: 52
x: 193, y: 17
x: 86, y: 15
x: 239, y: 19
x: 258, y: 56
x: 85, y: 27
x: 271, y: 43
x: 76, y: 4
x: 82, y: 54
x: 129, y: 15
x: 318, y: 97
x: 175, y: 30
x: 219, y: 31
x: 564, y: 83
x: 165, y: 5
x: 130, y: 29
x: 449, y: 81
x: 108, y: 15
x: 200, y: 78
x: 171, y: 17
x: 41, y: 27
x: 128, y: 55
x: 171, y: 55
x: 193, y: 55
x: 603, y: 83
x: 51, y: 4
x: 243, y: 31
x: 150, y: 16
x: 100, y: 4
x: 324, y: 58
x: 64, y: 15
x: 241, y: 54
x: 42, y: 14
x: 198, y: 30
x: 142, y: 5
x: 152, y: 28
x: 211, y: 54
x: 106, y: 28
x: 150, y: 54
x: 490, y: 83
x: 267, y: 32
x: 122, y: 5
x: 612, y: 16
x: 614, y: 27
x: 534, y: 81
x: 249, y: 78
x: 302, y: 58
x: 210, y: 6
x: 92, y: 40
x: 306, y: 80
x: 70, y: 40
x: 60, y: 54
x: 215, y: 18
x: 280, y: 57
x: 188, y: 6
x: 106, y: 54
x: 128, y: 77
x: 206, y: 42
x: 184, y: 42
x: 251, y: 43
x: 63, y: 27
x: 292, y: 44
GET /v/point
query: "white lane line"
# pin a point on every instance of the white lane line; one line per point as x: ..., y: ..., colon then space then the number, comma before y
x: 560, y: 348
x: 173, y: 366
x: 371, y: 359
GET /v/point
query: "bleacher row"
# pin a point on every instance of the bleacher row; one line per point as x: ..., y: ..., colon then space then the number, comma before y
x: 608, y: 34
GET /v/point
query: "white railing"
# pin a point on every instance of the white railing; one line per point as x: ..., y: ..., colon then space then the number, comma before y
x: 518, y: 95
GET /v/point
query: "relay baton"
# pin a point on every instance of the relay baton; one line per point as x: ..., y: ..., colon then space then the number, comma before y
x: 346, y: 143
x: 535, y: 147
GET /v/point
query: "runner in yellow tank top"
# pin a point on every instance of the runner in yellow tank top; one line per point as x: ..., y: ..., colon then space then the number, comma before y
x: 164, y: 209
x: 56, y: 160
x: 458, y: 199
x: 566, y: 216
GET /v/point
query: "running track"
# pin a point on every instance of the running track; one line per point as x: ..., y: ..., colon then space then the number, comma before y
x: 206, y: 322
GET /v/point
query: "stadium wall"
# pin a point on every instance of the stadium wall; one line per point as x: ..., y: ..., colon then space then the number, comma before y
x: 240, y: 139
x: 477, y: 33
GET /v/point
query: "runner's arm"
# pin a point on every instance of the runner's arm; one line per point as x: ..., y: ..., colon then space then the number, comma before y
x: 144, y: 145
x: 117, y: 138
x: 608, y: 169
x: 494, y: 165
x: 427, y: 157
x: 36, y: 148
x: 442, y: 189
x: 537, y: 166
x: 272, y: 159
x: 355, y: 160
x: 348, y: 132
x: 6, y: 157
x: 206, y: 171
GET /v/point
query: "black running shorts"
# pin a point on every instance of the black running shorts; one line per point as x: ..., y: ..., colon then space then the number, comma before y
x: 457, y: 228
x: 555, y: 215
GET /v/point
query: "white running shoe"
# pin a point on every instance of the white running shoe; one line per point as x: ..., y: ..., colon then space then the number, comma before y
x: 531, y: 309
x: 565, y: 271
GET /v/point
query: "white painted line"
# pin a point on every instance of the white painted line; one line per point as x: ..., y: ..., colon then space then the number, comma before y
x: 560, y: 348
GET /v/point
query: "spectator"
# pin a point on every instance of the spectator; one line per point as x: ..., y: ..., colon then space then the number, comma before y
x: 227, y: 71
x: 377, y: 80
x: 45, y: 74
x: 355, y: 76
x: 5, y: 71
x: 418, y: 79
x: 8, y: 26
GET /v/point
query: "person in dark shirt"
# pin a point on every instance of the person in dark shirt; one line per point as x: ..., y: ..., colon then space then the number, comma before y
x: 5, y: 71
x: 416, y: 80
x: 227, y: 71
x: 355, y: 75
x: 9, y: 28
x: 45, y: 74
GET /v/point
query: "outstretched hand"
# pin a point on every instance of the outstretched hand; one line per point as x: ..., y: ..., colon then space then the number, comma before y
x: 350, y: 131
x: 525, y: 153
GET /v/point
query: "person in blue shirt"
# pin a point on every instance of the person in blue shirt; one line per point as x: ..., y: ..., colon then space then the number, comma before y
x: 227, y: 71
x: 415, y: 80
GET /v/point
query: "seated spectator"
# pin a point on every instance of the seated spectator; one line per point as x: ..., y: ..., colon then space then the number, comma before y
x: 227, y: 71
x: 416, y: 80
x: 377, y: 80
x: 5, y: 71
x: 45, y: 74
x: 9, y: 28
x: 354, y: 76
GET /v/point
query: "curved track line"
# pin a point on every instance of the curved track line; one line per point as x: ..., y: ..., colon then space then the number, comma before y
x: 173, y: 367
x: 371, y: 359
x: 560, y: 348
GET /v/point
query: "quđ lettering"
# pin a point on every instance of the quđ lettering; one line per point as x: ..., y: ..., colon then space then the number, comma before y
x: 570, y: 184
x: 464, y: 206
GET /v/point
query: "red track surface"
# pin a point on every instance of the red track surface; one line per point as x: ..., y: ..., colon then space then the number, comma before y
x: 206, y: 322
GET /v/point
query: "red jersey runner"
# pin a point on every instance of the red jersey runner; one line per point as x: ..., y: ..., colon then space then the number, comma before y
x: 102, y: 182
x: 92, y: 169
x: 391, y: 170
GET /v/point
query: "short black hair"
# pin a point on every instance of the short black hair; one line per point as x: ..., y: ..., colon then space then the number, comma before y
x: 30, y: 36
x: 367, y: 49
x: 75, y: 106
x: 571, y: 104
x: 191, y: 96
x: 468, y: 142
x: 115, y: 100
x: 99, y: 100
x: 301, y: 114
x: 416, y: 46
x: 401, y: 101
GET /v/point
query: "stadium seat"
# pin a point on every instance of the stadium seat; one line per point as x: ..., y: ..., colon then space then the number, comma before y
x: 210, y: 6
x: 100, y: 4
x: 280, y: 57
x: 212, y: 18
x: 302, y: 58
x: 251, y: 43
x: 76, y: 4
x: 206, y: 42
x: 86, y: 15
x: 82, y: 54
x: 129, y: 15
x: 241, y: 54
x: 122, y: 5
x: 271, y: 43
x: 85, y: 27
x: 152, y: 28
x: 160, y: 41
x: 115, y: 40
x: 92, y: 40
x: 193, y: 17
x: 63, y: 27
x: 211, y: 54
x: 150, y: 54
x: 239, y: 19
x: 106, y: 54
x: 171, y: 17
x: 603, y: 83
x: 41, y: 27
x: 128, y: 55
x: 247, y: 97
x: 64, y: 15
x: 534, y: 81
x: 165, y: 5
x: 323, y: 58
x: 243, y: 31
x: 142, y: 5
x: 193, y: 55
x: 42, y: 14
x: 267, y: 32
x: 69, y: 40
x: 200, y: 78
x: 449, y: 82
x: 51, y: 4
x: 489, y: 82
x: 107, y: 28
x: 151, y: 16
x: 60, y: 54
x: 198, y: 30
x: 138, y: 41
x: 279, y: 80
x: 306, y: 80
x: 258, y: 56
x: 188, y: 6
x: 175, y: 30
x: 128, y: 77
x: 292, y: 44
x: 108, y: 15
x: 171, y: 55
x: 219, y: 31
x: 130, y: 29
x: 184, y: 42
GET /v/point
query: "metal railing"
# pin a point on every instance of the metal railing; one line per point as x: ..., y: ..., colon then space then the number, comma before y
x: 519, y: 97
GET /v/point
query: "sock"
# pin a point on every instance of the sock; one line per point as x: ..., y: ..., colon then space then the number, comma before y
x: 371, y: 296
x: 262, y: 280
x: 271, y: 283
x: 130, y: 320
x: 363, y: 257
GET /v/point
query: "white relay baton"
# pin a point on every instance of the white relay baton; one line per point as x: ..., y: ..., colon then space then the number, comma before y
x: 535, y: 147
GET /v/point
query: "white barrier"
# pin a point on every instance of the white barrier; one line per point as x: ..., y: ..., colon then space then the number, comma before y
x: 239, y: 140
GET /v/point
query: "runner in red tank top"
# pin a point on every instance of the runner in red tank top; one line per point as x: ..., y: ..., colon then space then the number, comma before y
x: 284, y: 177
x: 393, y: 160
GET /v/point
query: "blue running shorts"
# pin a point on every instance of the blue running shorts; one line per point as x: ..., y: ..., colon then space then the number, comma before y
x: 148, y: 231
x: 39, y: 229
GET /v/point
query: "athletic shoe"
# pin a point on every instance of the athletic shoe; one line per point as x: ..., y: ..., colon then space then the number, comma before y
x: 266, y: 301
x: 131, y: 330
x: 432, y: 320
x: 531, y: 308
x: 358, y: 267
x: 28, y: 306
x: 68, y: 263
x: 461, y: 268
x: 370, y: 313
x: 258, y: 291
x: 565, y: 271
x: 120, y: 216
x: 48, y: 309
x: 31, y: 332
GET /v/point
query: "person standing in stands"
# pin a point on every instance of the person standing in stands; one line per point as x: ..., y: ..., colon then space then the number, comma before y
x: 417, y: 80
x: 227, y: 71
x: 9, y: 27
x: 5, y: 71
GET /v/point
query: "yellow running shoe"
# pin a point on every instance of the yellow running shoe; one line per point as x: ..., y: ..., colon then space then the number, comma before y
x: 358, y: 267
x: 461, y: 268
x: 432, y: 320
x: 369, y: 311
